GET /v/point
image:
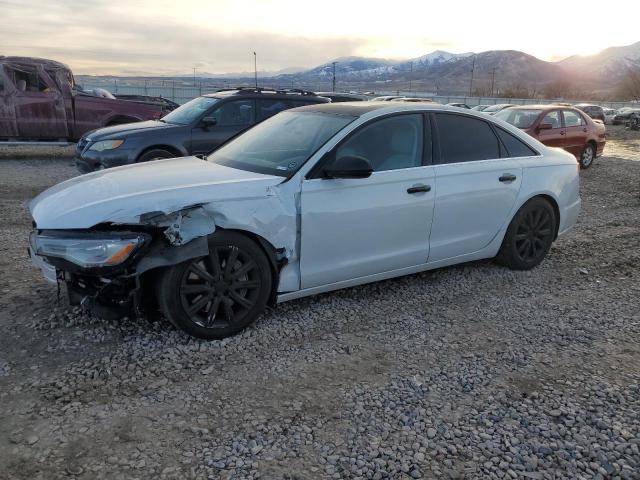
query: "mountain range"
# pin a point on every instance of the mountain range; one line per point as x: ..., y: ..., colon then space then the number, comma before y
x: 447, y: 72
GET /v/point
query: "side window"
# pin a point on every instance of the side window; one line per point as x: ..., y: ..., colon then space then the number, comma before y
x: 553, y: 118
x: 268, y: 108
x: 28, y: 81
x: 465, y: 139
x: 515, y: 146
x: 236, y: 112
x: 389, y: 144
x: 572, y: 119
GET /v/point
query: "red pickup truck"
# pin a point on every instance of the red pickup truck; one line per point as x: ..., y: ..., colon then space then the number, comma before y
x: 39, y: 101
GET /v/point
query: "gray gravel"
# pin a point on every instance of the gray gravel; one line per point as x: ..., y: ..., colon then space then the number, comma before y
x: 473, y: 371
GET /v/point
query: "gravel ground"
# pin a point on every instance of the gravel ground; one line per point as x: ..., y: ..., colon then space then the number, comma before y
x: 473, y: 371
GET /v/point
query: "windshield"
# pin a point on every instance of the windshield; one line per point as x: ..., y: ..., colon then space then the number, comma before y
x: 517, y: 117
x: 190, y: 111
x: 281, y: 144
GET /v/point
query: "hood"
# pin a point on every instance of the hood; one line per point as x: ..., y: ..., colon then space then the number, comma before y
x: 120, y: 195
x: 117, y: 131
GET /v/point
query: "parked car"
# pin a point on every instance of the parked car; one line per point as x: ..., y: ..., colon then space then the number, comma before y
x: 594, y: 111
x: 624, y: 114
x: 412, y: 99
x: 564, y: 127
x: 459, y: 105
x: 336, y: 97
x: 480, y: 108
x: 39, y: 100
x: 493, y: 109
x: 609, y: 114
x: 308, y: 201
x: 195, y: 128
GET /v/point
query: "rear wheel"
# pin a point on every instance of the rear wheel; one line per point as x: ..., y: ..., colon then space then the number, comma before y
x: 155, y: 154
x: 587, y: 156
x: 218, y: 295
x: 529, y: 236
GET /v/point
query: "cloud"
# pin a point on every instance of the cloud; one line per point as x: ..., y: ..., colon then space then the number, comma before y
x: 92, y: 38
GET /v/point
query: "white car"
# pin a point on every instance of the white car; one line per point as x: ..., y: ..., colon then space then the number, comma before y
x: 609, y: 113
x: 311, y: 200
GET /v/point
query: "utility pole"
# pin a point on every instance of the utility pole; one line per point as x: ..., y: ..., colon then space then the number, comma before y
x: 334, y: 76
x: 194, y: 75
x: 473, y: 68
x: 410, y: 74
x: 493, y: 79
x: 255, y: 67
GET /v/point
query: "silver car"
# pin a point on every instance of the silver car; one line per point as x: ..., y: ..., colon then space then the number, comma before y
x: 311, y: 200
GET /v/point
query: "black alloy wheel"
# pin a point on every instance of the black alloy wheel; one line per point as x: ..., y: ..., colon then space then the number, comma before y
x: 529, y: 236
x: 218, y: 295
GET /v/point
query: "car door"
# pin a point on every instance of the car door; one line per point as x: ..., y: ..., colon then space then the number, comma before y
x: 39, y: 106
x: 576, y: 131
x: 476, y: 186
x: 232, y: 117
x: 554, y: 136
x: 353, y: 228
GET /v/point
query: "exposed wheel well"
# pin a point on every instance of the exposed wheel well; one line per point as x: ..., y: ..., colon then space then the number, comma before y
x: 168, y: 148
x: 594, y: 145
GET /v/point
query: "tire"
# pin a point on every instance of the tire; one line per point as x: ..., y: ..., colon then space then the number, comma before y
x: 206, y: 299
x: 587, y: 156
x: 529, y: 236
x: 155, y: 154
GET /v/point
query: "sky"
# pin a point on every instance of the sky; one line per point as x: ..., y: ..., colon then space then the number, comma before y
x: 169, y: 37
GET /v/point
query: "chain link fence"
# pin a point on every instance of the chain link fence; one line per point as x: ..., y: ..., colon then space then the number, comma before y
x: 180, y: 93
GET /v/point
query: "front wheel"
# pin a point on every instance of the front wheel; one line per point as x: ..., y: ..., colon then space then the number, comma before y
x: 529, y: 236
x: 587, y: 156
x: 219, y: 295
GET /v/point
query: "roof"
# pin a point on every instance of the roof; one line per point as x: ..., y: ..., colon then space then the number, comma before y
x: 30, y: 61
x: 358, y: 109
x: 547, y: 106
x: 264, y: 92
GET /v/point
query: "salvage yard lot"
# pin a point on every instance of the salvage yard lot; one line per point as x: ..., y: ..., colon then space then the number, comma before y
x: 473, y: 371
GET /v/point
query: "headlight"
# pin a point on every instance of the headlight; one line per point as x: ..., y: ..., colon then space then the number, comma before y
x: 95, y: 250
x: 106, y: 145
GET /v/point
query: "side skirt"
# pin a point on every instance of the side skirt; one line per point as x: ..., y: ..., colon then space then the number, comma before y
x: 489, y: 251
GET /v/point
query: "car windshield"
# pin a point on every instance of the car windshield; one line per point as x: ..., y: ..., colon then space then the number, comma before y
x: 281, y: 144
x: 520, y: 118
x: 190, y: 111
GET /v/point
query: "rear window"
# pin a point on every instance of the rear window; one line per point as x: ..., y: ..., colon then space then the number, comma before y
x: 465, y: 139
x: 515, y: 147
x: 521, y: 118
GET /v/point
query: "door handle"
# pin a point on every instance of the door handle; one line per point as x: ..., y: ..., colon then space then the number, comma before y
x: 584, y: 130
x: 562, y: 132
x: 507, y: 178
x: 419, y: 189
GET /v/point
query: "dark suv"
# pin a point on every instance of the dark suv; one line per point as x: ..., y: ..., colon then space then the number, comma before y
x: 195, y: 128
x: 594, y: 111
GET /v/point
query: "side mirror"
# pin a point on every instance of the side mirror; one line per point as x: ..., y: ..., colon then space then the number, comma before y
x: 545, y: 126
x: 209, y: 121
x: 350, y: 166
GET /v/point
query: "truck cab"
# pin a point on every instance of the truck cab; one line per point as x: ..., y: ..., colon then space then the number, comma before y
x: 39, y: 101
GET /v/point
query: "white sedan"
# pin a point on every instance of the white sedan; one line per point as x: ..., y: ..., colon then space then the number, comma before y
x: 313, y: 199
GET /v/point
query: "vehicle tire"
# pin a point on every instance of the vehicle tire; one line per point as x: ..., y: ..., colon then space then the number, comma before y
x: 529, y: 236
x: 219, y: 295
x: 155, y: 154
x: 587, y: 156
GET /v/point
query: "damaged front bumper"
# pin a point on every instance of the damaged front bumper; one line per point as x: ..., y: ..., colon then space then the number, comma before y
x: 110, y: 290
